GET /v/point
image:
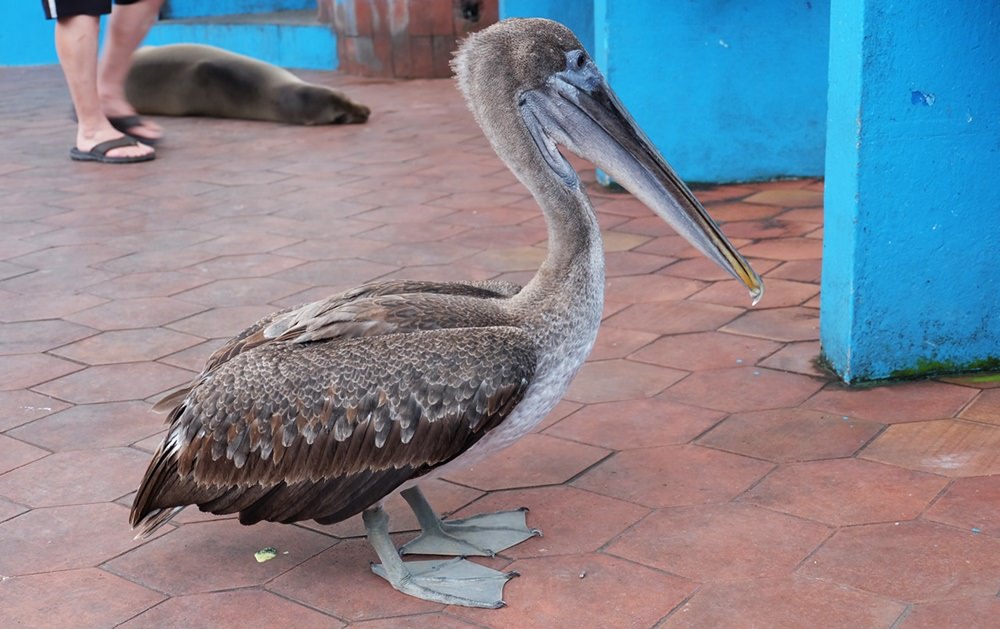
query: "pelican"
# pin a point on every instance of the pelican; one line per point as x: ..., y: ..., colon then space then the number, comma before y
x: 322, y: 411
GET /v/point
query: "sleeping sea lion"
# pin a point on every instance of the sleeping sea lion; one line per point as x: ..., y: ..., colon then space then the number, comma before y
x: 196, y: 80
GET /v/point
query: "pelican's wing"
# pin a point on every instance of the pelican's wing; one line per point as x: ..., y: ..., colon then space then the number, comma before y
x: 368, y: 310
x: 289, y: 432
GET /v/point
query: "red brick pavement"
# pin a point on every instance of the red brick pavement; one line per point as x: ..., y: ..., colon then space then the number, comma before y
x: 702, y: 472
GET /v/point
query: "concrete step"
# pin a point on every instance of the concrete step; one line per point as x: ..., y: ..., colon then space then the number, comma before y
x: 291, y: 39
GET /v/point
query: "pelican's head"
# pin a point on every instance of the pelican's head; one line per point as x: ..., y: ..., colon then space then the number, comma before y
x: 531, y: 78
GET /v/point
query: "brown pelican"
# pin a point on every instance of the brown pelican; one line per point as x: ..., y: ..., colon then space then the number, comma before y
x: 321, y: 411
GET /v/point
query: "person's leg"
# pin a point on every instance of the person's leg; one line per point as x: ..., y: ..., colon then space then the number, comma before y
x: 76, y: 45
x: 127, y: 27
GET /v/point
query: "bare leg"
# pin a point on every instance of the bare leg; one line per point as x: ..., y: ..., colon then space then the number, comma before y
x: 482, y: 535
x: 127, y: 28
x: 76, y: 45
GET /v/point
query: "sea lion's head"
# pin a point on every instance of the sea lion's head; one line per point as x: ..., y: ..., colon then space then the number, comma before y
x: 316, y: 104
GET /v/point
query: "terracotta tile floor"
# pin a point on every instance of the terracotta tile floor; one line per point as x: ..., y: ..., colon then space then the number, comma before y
x: 700, y: 473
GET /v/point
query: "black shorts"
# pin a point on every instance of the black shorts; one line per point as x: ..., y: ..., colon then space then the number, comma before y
x: 67, y: 8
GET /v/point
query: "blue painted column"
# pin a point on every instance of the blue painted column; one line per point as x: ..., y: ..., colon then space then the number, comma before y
x: 729, y: 91
x: 910, y: 280
x: 27, y: 38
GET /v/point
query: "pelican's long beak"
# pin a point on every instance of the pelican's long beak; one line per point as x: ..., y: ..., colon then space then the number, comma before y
x: 578, y: 110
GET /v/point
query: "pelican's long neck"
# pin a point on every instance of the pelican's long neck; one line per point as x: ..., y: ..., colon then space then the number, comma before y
x: 575, y: 260
x: 568, y: 289
x: 565, y: 298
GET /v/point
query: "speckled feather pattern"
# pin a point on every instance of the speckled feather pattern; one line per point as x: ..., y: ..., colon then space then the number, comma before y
x: 319, y: 412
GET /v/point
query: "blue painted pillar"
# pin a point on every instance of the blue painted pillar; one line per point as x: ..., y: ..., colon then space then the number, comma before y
x: 578, y: 15
x: 729, y: 91
x: 26, y: 38
x: 910, y: 281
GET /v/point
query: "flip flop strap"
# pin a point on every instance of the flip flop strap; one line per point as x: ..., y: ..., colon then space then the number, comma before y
x: 128, y: 121
x: 103, y: 148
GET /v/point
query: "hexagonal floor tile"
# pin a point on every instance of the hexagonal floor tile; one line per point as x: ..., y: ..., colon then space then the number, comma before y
x: 127, y: 346
x: 153, y: 284
x: 641, y: 423
x: 948, y: 447
x: 15, y: 453
x: 27, y: 370
x: 533, y: 461
x: 615, y: 342
x: 339, y: 581
x: 787, y: 198
x: 701, y: 268
x: 972, y: 504
x: 63, y: 538
x: 650, y: 288
x: 843, y: 492
x: 985, y: 408
x: 250, y: 291
x: 608, y: 380
x: 743, y: 389
x: 674, y: 317
x: 710, y: 543
x: 441, y: 620
x: 780, y: 294
x: 790, y: 434
x: 798, y: 270
x: 243, y: 266
x: 9, y: 509
x: 963, y: 612
x: 21, y: 407
x: 222, y: 323
x: 910, y: 561
x: 571, y: 520
x: 35, y: 307
x: 785, y: 249
x: 911, y: 401
x: 706, y: 350
x: 795, y: 323
x: 143, y: 312
x: 240, y: 608
x: 784, y: 603
x: 28, y: 337
x: 115, y: 383
x: 219, y: 555
x: 89, y: 426
x: 75, y: 477
x: 798, y: 357
x: 661, y: 477
x: 582, y: 591
x: 73, y: 598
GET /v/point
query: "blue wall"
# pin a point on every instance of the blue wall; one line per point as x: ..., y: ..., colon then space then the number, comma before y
x: 729, y: 90
x: 31, y: 41
x: 910, y: 281
x: 26, y: 37
x: 198, y: 8
x: 578, y: 15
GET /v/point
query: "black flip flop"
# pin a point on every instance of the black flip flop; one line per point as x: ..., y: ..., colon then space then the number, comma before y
x: 100, y: 152
x: 126, y: 123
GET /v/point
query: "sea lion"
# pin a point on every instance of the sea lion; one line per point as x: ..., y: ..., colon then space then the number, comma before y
x: 196, y: 80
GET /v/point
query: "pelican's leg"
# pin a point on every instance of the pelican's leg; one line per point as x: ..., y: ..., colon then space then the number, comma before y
x: 481, y: 535
x: 451, y: 581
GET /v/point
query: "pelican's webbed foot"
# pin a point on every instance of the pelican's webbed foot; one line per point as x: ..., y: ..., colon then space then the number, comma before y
x: 480, y: 535
x: 452, y: 581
